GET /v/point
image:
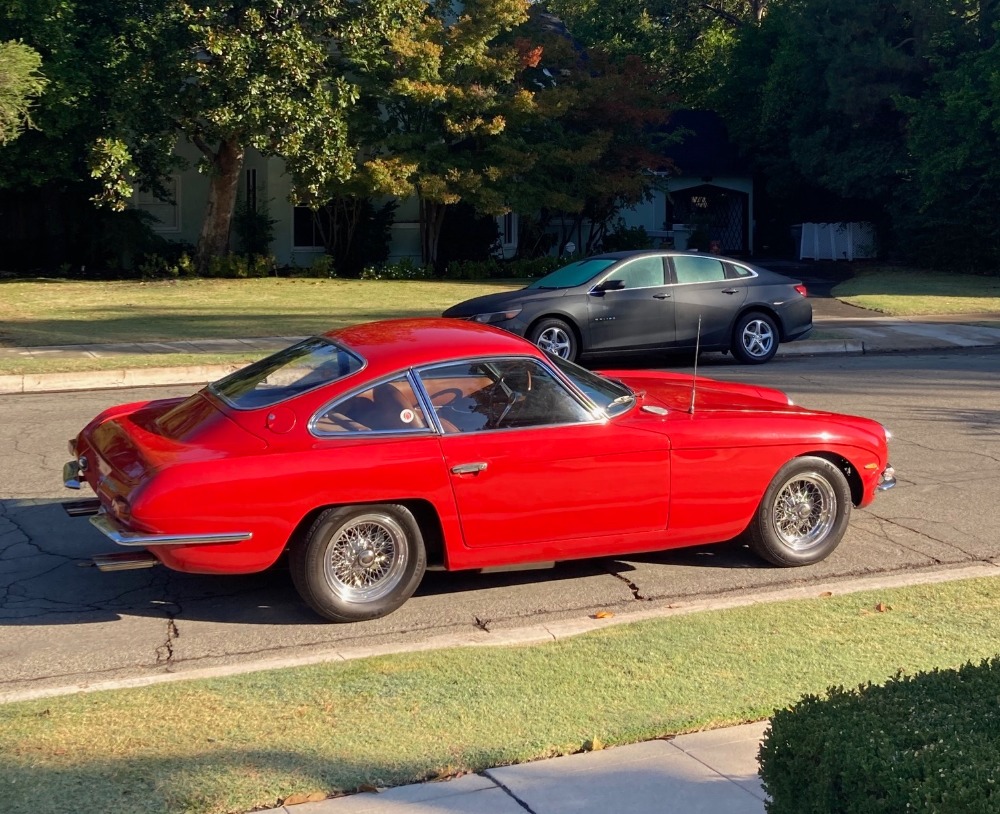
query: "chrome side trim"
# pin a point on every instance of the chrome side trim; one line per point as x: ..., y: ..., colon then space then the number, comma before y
x: 107, y: 527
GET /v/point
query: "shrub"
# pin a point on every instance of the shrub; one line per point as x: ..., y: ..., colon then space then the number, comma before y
x: 927, y: 742
x: 622, y: 238
x: 321, y: 267
x: 404, y: 269
x: 493, y: 268
x: 236, y: 266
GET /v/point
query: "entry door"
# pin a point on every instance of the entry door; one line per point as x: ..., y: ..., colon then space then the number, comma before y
x: 639, y: 315
x: 702, y: 290
x: 536, y: 485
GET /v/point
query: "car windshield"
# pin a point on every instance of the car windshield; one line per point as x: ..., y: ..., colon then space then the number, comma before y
x: 574, y: 274
x: 289, y: 372
x: 612, y: 397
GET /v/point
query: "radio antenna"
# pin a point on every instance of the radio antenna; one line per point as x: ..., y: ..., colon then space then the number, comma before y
x: 694, y: 376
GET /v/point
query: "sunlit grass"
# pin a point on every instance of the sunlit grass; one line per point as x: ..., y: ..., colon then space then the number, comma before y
x: 236, y: 743
x: 904, y: 292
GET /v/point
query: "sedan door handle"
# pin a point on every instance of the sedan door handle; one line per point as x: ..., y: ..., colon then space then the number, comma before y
x: 469, y: 469
x: 661, y: 296
x: 730, y: 291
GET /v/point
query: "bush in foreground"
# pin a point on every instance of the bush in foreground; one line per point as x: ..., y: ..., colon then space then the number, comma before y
x: 928, y: 742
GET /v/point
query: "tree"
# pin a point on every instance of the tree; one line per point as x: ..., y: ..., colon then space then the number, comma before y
x: 20, y: 83
x: 226, y: 76
x: 439, y: 88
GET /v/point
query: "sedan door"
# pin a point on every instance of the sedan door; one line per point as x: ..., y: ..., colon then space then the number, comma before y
x: 529, y: 463
x: 702, y: 289
x: 632, y: 307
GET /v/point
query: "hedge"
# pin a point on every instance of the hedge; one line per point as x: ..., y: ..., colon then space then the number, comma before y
x: 923, y: 743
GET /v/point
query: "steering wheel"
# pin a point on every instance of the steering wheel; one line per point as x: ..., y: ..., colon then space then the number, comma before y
x: 507, y: 397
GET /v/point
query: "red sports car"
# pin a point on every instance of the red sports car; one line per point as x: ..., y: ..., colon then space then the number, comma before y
x: 374, y: 452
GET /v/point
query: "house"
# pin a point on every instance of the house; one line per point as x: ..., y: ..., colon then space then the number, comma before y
x: 707, y: 196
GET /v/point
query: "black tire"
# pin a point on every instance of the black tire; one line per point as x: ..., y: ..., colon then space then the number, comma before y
x: 359, y: 562
x: 557, y: 337
x: 755, y: 338
x: 803, y: 515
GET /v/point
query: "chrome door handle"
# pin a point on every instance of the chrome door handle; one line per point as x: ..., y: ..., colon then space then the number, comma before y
x: 469, y: 469
x: 661, y: 296
x: 730, y: 290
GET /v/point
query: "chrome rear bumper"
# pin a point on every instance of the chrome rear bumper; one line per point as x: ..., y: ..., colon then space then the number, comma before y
x: 119, y: 536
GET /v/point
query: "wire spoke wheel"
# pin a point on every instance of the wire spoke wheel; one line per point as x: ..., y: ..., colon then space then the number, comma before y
x: 804, y: 511
x: 366, y: 559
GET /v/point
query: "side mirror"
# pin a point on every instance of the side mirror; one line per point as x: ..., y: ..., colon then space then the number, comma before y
x: 610, y: 285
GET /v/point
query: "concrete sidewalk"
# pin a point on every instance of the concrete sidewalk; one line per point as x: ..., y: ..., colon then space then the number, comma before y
x: 711, y: 772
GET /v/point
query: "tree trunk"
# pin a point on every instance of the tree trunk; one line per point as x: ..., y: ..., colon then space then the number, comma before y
x: 431, y: 219
x: 224, y: 179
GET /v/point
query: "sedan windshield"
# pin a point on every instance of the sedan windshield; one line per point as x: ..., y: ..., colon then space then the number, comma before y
x: 612, y: 397
x: 303, y: 366
x: 574, y: 274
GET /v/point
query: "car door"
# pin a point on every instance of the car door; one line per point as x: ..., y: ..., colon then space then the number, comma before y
x: 632, y: 307
x: 529, y: 463
x: 702, y: 289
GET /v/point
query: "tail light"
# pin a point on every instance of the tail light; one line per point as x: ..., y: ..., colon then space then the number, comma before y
x: 802, y: 290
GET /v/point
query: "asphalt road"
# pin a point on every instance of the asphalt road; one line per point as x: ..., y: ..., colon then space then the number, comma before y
x: 64, y: 623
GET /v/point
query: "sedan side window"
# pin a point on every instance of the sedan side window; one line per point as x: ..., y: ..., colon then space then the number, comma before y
x: 391, y: 406
x: 693, y: 269
x: 499, y: 394
x: 643, y: 272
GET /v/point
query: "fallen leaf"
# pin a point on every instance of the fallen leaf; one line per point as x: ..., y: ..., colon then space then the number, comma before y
x: 826, y: 594
x: 881, y: 607
x: 368, y: 787
x: 602, y: 615
x: 593, y: 745
x: 304, y: 797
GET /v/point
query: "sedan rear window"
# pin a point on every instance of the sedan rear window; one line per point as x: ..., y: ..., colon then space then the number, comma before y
x: 287, y: 373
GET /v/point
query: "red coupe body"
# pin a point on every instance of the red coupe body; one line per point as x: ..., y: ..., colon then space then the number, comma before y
x: 500, y: 455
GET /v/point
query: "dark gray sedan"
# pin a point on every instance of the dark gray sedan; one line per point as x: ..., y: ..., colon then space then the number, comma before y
x: 651, y: 300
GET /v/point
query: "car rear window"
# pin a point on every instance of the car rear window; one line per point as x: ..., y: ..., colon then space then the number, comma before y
x: 287, y: 373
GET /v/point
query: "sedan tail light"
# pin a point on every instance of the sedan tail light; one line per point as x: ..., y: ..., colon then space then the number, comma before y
x: 802, y: 290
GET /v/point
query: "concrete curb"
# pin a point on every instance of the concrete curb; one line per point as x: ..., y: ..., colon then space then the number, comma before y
x: 531, y: 634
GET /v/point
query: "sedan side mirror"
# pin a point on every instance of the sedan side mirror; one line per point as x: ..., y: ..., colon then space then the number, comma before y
x: 609, y: 285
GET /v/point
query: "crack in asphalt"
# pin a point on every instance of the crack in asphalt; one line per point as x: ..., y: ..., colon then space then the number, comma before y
x: 969, y: 554
x: 636, y: 592
x: 509, y: 793
x: 165, y: 652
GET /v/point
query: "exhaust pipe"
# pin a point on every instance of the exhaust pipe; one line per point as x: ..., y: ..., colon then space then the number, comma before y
x: 125, y: 561
x: 82, y: 508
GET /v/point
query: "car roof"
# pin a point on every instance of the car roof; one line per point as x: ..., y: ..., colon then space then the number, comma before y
x: 402, y: 343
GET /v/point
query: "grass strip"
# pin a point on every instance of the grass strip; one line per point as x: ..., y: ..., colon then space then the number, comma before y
x: 232, y: 744
x: 60, y: 312
x: 903, y: 292
x: 24, y: 365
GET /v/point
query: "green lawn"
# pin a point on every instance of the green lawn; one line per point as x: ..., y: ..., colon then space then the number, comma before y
x: 232, y: 744
x: 906, y: 292
x: 59, y: 312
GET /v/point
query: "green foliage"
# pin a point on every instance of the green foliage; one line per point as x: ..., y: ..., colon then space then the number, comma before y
x: 20, y: 83
x: 926, y: 742
x: 236, y: 266
x: 499, y: 269
x: 405, y: 269
x: 322, y: 267
x: 254, y: 227
x: 621, y: 238
x: 356, y: 233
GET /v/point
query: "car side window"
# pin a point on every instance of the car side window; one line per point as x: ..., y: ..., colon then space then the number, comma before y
x: 643, y: 272
x: 499, y: 394
x: 391, y: 406
x: 693, y: 269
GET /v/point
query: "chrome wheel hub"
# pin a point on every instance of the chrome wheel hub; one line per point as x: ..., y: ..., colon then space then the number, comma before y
x: 555, y: 341
x: 366, y: 559
x: 804, y: 511
x: 758, y: 338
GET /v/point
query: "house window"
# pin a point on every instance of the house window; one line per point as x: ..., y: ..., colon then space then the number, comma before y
x: 305, y: 229
x: 166, y: 213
